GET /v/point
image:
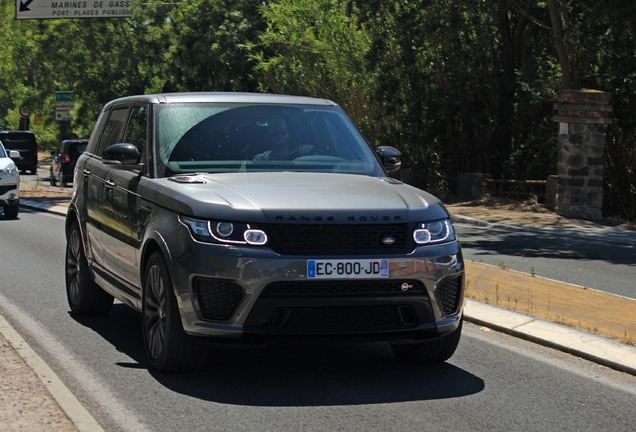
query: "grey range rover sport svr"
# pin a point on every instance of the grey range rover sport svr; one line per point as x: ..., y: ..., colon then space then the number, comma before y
x: 231, y: 219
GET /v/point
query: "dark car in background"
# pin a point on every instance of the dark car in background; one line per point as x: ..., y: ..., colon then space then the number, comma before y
x: 65, y: 159
x: 25, y: 143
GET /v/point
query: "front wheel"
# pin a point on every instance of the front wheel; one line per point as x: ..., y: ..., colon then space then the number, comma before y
x: 84, y: 296
x: 168, y: 347
x: 11, y: 210
x: 430, y: 352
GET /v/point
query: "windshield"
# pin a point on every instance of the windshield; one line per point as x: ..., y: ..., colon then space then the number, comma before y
x: 217, y: 138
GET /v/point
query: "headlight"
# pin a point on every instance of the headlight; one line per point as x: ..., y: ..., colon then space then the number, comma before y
x: 224, y: 232
x: 434, y: 232
x: 10, y: 170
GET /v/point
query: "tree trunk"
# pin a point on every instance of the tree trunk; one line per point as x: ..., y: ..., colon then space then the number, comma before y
x: 557, y: 31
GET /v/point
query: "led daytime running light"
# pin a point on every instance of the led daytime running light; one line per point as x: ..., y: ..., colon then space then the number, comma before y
x: 433, y: 232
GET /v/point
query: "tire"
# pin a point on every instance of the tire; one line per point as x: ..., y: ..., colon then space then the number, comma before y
x: 168, y: 347
x: 84, y: 296
x: 52, y: 177
x: 430, y: 352
x: 11, y: 210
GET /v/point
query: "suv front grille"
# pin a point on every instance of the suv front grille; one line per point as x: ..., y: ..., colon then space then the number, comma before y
x: 216, y: 299
x: 449, y: 294
x: 348, y: 288
x: 324, y: 239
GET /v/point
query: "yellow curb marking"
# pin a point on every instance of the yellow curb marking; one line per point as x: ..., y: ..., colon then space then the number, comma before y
x: 571, y: 305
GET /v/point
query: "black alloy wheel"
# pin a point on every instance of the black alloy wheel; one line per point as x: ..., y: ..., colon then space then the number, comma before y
x: 84, y: 296
x: 168, y: 347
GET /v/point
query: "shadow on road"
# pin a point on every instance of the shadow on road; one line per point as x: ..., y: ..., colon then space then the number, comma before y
x: 536, y: 245
x: 294, y: 375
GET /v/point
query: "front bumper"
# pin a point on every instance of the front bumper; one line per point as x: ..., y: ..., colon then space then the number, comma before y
x: 250, y: 294
x: 9, y: 190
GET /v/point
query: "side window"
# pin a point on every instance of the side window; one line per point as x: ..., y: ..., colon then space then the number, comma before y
x: 93, y: 142
x: 137, y: 128
x: 114, y: 129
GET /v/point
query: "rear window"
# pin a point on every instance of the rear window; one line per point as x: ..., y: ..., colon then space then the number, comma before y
x: 76, y: 149
x: 18, y: 141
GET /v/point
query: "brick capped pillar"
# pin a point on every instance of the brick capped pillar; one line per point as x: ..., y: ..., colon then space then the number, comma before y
x: 583, y: 116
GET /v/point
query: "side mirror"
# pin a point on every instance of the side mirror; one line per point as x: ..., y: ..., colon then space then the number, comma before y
x: 14, y: 154
x: 390, y: 158
x: 122, y: 155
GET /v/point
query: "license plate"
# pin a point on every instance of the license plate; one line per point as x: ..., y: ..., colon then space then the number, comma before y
x: 359, y: 268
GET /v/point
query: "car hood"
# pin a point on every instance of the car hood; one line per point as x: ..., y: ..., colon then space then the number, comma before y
x: 4, y: 162
x: 298, y: 197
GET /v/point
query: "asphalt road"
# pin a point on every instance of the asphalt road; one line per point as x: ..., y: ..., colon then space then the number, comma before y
x: 494, y: 382
x: 592, y: 264
x: 43, y: 177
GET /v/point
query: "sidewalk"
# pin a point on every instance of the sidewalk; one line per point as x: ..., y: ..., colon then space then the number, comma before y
x: 586, y: 327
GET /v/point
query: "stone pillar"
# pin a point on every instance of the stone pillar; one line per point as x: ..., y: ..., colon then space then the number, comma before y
x: 583, y: 116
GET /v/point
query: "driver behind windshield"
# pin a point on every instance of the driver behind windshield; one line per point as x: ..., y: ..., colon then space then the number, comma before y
x: 278, y: 137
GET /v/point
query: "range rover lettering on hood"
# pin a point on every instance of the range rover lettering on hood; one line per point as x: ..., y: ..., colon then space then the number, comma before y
x: 304, y: 218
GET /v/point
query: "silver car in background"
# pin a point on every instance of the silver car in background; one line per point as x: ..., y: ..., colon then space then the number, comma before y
x: 232, y: 219
x: 9, y: 182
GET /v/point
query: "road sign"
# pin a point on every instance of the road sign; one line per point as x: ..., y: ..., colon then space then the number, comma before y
x: 48, y: 9
x: 63, y: 116
x: 64, y: 103
x: 64, y: 96
x: 25, y: 111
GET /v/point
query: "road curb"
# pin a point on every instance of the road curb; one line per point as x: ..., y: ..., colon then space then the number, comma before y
x: 597, y: 349
x: 74, y: 410
x: 50, y: 208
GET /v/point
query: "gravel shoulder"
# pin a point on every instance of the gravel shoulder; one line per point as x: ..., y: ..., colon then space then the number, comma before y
x: 25, y: 403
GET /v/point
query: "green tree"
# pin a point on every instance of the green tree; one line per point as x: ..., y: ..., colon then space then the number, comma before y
x: 459, y: 81
x: 315, y: 48
x: 204, y: 45
x: 25, y: 79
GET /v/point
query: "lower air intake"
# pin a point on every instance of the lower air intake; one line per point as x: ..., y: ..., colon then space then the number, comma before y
x: 217, y: 299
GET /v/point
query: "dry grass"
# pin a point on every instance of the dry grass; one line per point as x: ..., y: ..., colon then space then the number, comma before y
x: 532, y: 206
